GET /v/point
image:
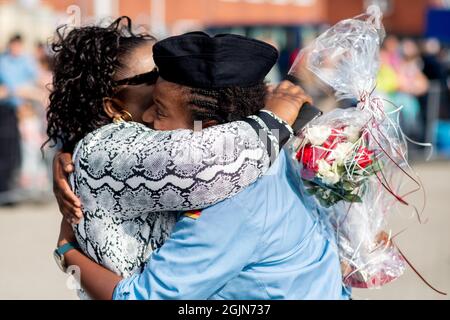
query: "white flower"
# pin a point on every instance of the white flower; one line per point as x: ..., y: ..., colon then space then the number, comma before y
x: 342, y: 152
x: 352, y: 133
x: 328, y: 173
x: 317, y: 135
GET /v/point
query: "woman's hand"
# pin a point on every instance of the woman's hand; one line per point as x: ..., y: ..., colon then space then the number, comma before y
x: 69, y: 204
x: 286, y: 101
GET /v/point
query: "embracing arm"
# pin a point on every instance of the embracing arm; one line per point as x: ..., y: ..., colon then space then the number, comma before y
x: 169, y: 170
x: 199, y: 258
x: 96, y: 280
x: 185, y: 169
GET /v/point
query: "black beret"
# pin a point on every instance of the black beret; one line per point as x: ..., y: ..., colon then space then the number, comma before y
x: 197, y: 60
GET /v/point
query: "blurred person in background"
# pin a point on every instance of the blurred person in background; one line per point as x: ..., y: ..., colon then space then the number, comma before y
x: 414, y: 83
x: 412, y: 79
x: 16, y: 70
x: 391, y: 51
x: 435, y: 70
x: 35, y: 170
x: 38, y: 90
x: 402, y: 82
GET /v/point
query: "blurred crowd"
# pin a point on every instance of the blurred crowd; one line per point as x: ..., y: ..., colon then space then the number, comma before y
x: 24, y: 80
x: 414, y: 74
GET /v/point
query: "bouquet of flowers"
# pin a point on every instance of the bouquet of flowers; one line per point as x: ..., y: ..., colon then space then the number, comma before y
x: 351, y: 158
x: 337, y: 161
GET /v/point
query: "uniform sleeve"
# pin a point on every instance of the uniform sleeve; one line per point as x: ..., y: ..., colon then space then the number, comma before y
x: 150, y: 171
x: 199, y: 258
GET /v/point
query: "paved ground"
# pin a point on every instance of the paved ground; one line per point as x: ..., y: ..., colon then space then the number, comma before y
x: 28, y: 235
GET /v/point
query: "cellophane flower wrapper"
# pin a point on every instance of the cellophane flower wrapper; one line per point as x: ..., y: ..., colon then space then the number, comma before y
x: 351, y: 160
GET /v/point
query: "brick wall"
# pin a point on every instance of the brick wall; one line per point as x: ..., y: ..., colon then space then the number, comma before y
x: 408, y: 16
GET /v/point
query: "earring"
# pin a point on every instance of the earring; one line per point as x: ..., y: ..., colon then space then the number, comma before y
x: 117, y: 119
x: 126, y: 116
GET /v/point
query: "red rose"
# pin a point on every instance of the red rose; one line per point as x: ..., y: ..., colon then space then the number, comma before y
x: 309, y: 155
x: 306, y: 156
x: 364, y: 157
x: 335, y: 138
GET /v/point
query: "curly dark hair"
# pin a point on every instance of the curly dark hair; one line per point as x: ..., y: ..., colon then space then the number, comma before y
x: 86, y: 63
x: 226, y: 104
